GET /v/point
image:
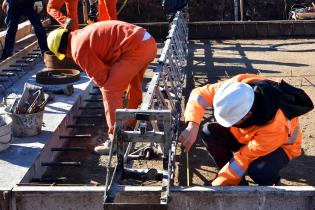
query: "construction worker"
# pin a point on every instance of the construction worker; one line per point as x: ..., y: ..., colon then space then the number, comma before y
x: 115, y: 55
x: 70, y: 21
x: 101, y: 10
x: 107, y: 10
x: 257, y: 130
x: 14, y: 9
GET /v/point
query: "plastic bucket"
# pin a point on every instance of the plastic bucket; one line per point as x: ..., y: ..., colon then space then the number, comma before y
x: 27, y: 124
x: 5, y: 132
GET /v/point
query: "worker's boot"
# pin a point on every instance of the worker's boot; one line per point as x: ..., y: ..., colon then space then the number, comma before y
x: 103, y: 149
x: 69, y: 24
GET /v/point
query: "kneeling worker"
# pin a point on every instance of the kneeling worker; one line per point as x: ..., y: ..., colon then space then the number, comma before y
x: 257, y: 130
x: 115, y: 55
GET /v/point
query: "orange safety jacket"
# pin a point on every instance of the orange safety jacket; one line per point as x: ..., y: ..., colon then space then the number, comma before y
x: 97, y: 46
x: 258, y: 140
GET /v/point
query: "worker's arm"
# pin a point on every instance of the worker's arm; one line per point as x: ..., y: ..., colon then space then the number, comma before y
x: 267, y: 139
x: 200, y: 99
x: 54, y: 10
x: 4, y: 7
x: 95, y: 68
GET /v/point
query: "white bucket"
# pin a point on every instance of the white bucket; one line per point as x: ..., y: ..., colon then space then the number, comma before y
x: 25, y: 125
x: 5, y: 132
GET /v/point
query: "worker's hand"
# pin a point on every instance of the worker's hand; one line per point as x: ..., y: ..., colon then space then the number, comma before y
x: 189, y: 135
x: 38, y: 6
x: 4, y: 7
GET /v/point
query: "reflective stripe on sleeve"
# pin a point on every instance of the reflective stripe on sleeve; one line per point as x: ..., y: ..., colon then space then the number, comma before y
x: 201, y: 100
x: 293, y: 137
x: 233, y: 165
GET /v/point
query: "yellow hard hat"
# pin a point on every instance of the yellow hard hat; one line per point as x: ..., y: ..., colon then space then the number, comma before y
x: 53, y: 41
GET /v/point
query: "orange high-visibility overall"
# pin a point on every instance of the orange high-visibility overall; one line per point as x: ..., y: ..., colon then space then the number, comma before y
x: 258, y: 140
x: 53, y: 9
x: 107, y: 10
x: 115, y: 55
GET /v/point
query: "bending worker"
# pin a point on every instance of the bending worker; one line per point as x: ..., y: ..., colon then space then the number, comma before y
x: 257, y: 130
x: 14, y: 10
x: 115, y: 55
x: 70, y: 21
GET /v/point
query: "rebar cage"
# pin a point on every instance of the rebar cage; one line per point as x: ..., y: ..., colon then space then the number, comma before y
x: 158, y: 117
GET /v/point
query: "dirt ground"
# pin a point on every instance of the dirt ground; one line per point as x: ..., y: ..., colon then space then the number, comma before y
x: 290, y: 59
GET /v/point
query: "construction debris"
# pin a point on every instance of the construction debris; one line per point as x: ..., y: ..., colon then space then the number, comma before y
x: 33, y: 100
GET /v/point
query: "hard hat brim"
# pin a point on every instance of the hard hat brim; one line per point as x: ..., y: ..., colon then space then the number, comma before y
x: 53, y: 41
x: 231, y: 121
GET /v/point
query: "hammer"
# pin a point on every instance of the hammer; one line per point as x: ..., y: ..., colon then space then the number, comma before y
x: 66, y: 89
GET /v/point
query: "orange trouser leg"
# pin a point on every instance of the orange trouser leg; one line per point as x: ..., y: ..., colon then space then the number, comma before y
x: 128, y: 71
x: 107, y: 10
x: 72, y: 12
x: 53, y: 9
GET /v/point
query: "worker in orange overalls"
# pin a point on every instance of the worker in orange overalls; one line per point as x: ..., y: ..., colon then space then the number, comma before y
x: 257, y: 130
x: 115, y: 55
x: 106, y: 10
x: 70, y: 21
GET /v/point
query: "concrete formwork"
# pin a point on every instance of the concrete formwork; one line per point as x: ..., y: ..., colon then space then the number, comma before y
x: 238, y: 29
x: 192, y: 198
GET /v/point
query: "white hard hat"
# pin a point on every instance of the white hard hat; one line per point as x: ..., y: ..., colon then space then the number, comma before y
x: 232, y: 101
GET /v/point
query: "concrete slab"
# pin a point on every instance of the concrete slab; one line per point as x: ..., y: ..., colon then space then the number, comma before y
x: 19, y: 157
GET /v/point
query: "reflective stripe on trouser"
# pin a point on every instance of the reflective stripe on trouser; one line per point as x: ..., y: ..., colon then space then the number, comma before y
x: 107, y: 10
x: 54, y: 10
x: 125, y: 74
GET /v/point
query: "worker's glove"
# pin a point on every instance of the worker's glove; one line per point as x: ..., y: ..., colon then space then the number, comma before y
x: 4, y: 7
x: 38, y: 6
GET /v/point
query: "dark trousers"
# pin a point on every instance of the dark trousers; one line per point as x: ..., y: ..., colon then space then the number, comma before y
x: 221, y: 144
x: 12, y: 19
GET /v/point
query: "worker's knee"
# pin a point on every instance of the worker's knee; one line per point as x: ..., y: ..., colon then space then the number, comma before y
x: 265, y: 170
x: 263, y: 176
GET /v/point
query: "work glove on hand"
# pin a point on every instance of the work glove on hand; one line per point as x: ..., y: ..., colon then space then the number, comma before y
x: 38, y: 6
x: 4, y: 7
